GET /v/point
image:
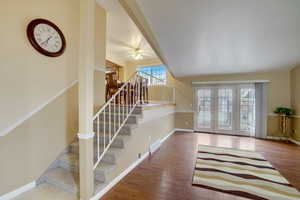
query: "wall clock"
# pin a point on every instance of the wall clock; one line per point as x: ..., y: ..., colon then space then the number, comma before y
x: 46, y: 37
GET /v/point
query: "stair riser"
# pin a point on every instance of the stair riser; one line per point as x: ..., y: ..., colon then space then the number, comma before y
x: 125, y: 130
x: 108, y: 157
x: 117, y: 143
x: 117, y: 110
x: 66, y: 187
x: 130, y: 120
x: 99, y: 175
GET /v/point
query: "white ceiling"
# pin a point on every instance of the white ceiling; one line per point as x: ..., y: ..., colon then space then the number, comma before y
x: 122, y: 35
x: 232, y: 36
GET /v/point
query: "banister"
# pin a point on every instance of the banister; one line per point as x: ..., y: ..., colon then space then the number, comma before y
x: 130, y: 97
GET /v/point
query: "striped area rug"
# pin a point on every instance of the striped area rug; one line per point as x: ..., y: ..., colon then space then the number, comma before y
x: 242, y: 173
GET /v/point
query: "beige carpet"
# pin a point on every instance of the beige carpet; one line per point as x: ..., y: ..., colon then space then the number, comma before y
x: 242, y: 173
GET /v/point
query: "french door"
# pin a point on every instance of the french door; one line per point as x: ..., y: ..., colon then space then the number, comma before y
x: 225, y: 109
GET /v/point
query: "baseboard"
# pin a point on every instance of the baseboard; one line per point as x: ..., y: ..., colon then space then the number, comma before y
x: 184, y: 130
x: 154, y: 146
x: 277, y: 138
x: 283, y: 139
x: 118, y: 178
x: 167, y: 136
x: 158, y: 143
x: 18, y: 191
x: 294, y: 141
x: 129, y: 169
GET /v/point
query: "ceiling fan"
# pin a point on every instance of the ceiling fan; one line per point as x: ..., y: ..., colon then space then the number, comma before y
x: 141, y: 51
x: 136, y: 49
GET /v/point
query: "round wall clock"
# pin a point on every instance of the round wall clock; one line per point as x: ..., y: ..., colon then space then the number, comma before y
x: 46, y: 37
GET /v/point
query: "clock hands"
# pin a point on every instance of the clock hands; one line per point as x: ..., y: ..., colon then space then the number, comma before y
x: 46, y: 41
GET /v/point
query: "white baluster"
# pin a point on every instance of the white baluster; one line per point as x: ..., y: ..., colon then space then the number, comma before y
x: 104, y: 124
x: 104, y: 138
x: 109, y: 121
x: 119, y: 114
x: 98, y: 137
x: 114, y: 116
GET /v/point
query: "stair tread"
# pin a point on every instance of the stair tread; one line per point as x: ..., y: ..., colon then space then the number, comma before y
x: 107, y: 122
x: 111, y: 149
x: 118, y: 113
x: 73, y: 160
x: 68, y: 180
x: 63, y: 178
x: 118, y: 137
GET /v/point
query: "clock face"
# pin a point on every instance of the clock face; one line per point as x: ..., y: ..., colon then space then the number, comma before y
x: 46, y: 37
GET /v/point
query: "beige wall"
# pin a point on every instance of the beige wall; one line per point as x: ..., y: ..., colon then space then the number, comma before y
x: 27, y: 78
x: 295, y: 83
x: 100, y: 36
x: 145, y: 134
x: 28, y: 151
x: 279, y: 95
x: 100, y: 55
x: 99, y: 88
x: 279, y: 92
x: 280, y: 81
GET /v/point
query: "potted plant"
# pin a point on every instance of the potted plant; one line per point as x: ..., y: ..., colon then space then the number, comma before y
x: 284, y: 114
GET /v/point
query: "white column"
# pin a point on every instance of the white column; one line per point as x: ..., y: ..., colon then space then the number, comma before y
x: 86, y: 98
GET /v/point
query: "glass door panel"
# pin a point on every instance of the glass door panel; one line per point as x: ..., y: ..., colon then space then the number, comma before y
x: 225, y: 109
x: 204, y: 109
x: 247, y: 110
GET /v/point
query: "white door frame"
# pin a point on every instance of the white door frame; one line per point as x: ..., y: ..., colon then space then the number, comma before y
x: 196, y: 109
x: 214, y: 109
x: 233, y: 117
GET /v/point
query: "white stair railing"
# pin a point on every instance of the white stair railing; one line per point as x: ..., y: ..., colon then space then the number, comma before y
x: 141, y: 88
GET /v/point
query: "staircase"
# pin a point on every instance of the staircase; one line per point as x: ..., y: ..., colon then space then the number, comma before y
x: 113, y: 127
x: 64, y: 172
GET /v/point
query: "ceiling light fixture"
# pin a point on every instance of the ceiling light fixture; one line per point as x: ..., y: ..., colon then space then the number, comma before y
x: 137, y: 54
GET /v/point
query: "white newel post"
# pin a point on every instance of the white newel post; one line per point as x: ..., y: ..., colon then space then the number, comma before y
x: 86, y: 99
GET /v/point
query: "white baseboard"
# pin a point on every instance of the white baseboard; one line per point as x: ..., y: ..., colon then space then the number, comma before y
x: 154, y: 146
x: 283, y: 139
x: 184, y: 130
x: 295, y: 142
x: 18, y: 191
x: 129, y: 169
x: 118, y: 178
x: 276, y: 138
x: 158, y: 143
x: 167, y: 136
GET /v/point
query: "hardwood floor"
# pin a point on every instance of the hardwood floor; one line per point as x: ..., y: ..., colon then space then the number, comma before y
x: 167, y: 174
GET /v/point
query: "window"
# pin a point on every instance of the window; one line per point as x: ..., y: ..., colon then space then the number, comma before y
x: 159, y: 72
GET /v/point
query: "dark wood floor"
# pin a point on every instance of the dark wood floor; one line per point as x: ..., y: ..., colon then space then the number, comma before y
x: 167, y: 174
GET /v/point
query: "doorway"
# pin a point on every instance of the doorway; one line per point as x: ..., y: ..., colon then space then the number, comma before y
x: 226, y: 109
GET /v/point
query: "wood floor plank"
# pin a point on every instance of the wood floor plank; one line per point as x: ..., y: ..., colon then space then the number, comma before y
x: 167, y: 174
